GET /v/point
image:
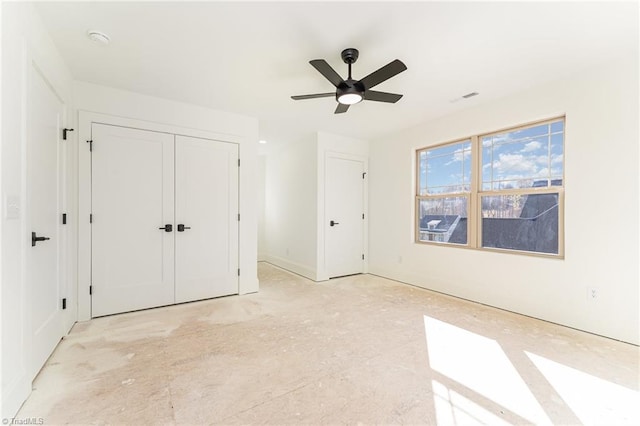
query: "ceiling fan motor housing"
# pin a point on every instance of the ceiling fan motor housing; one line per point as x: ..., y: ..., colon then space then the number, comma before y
x: 350, y: 86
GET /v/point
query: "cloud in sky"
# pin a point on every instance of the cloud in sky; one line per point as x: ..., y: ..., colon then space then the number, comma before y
x: 516, y: 162
x: 557, y: 159
x: 531, y: 146
x: 459, y: 155
x: 523, y: 164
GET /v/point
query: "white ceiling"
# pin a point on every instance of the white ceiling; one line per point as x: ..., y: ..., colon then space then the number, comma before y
x: 249, y: 58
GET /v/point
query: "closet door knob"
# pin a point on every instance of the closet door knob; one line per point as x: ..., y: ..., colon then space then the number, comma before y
x: 167, y: 228
x: 181, y: 227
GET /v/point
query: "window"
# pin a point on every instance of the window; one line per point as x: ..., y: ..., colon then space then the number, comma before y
x: 502, y: 190
x: 443, y: 193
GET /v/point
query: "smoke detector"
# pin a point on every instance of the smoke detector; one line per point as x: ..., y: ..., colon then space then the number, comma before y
x: 98, y: 37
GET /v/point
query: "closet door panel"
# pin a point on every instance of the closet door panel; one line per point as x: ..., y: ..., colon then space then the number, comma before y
x: 132, y: 197
x: 207, y: 207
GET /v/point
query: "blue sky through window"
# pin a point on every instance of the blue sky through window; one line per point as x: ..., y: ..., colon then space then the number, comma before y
x: 446, y: 169
x: 523, y: 158
x: 518, y: 159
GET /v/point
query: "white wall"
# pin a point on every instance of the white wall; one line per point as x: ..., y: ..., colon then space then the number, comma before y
x: 294, y: 225
x: 291, y: 207
x: 601, y: 174
x: 163, y: 112
x: 261, y: 188
x: 25, y: 43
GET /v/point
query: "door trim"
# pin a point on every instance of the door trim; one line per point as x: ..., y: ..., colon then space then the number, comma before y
x: 323, y: 273
x: 85, y: 120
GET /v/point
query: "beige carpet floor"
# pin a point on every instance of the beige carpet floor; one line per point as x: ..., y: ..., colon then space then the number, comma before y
x: 358, y: 349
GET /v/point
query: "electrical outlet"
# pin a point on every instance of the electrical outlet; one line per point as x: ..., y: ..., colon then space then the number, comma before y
x: 592, y: 293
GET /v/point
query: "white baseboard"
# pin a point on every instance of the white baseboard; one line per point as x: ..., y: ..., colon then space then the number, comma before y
x: 296, y: 268
x: 13, y: 396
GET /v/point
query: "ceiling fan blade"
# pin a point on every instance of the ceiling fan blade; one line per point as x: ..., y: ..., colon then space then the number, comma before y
x: 372, y: 95
x: 384, y: 73
x: 325, y: 69
x: 341, y: 108
x: 315, y: 95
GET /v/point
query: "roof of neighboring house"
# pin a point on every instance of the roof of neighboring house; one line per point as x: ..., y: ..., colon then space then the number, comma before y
x: 459, y: 235
x: 535, y: 230
x: 445, y: 221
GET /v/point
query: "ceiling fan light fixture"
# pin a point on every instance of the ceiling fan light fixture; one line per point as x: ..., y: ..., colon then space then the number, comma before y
x: 350, y: 98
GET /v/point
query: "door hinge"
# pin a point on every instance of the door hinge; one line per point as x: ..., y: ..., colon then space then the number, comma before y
x: 363, y: 174
x: 90, y: 145
x: 64, y: 303
x: 363, y: 257
x: 238, y: 162
x: 238, y: 271
x: 64, y: 133
x: 363, y: 215
x: 90, y: 290
x: 64, y: 218
x: 238, y: 217
x: 90, y: 217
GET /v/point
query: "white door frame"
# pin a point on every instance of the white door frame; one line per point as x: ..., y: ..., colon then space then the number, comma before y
x: 323, y: 273
x: 85, y: 119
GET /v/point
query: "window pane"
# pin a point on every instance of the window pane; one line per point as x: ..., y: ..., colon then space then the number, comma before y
x: 557, y: 157
x: 466, y: 170
x: 526, y: 133
x: 446, y: 169
x: 443, y: 220
x: 558, y: 126
x: 422, y: 173
x: 521, y: 222
x: 524, y: 158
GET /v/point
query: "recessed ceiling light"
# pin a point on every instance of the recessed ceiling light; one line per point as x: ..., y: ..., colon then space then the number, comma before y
x: 262, y: 141
x: 98, y: 37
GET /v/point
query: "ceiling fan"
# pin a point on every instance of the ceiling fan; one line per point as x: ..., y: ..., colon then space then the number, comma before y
x: 350, y: 91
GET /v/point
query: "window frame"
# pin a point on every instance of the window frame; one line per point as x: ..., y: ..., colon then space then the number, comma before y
x: 475, y: 193
x: 467, y: 194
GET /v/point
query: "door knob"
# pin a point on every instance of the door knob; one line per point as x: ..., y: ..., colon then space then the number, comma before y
x: 35, y: 239
x: 181, y: 227
x: 167, y: 228
x: 334, y: 223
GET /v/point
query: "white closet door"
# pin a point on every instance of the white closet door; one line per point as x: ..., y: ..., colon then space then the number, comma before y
x: 207, y: 206
x: 132, y: 197
x: 344, y: 197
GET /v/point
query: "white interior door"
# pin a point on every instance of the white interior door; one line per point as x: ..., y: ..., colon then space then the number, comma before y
x: 344, y: 207
x: 132, y: 198
x: 207, y: 207
x: 44, y: 256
